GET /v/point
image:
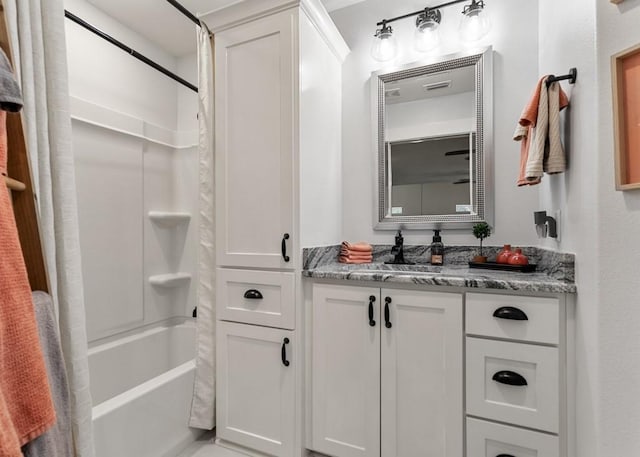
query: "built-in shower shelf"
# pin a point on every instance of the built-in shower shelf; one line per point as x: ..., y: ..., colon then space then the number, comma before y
x: 169, y: 219
x: 170, y: 280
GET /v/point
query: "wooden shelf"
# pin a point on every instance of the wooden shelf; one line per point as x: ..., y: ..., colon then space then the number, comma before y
x: 14, y: 184
x: 169, y: 219
x: 170, y: 280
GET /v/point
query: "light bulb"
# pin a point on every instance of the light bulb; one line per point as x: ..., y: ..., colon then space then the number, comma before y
x: 475, y: 22
x: 427, y: 35
x: 384, y: 44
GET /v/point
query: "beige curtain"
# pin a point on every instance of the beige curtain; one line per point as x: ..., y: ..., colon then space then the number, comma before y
x: 37, y: 33
x: 204, y: 391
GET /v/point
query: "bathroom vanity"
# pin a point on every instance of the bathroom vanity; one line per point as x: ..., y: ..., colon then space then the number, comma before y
x: 420, y: 360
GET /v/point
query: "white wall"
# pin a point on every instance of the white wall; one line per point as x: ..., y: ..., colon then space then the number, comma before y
x: 567, y: 39
x: 513, y: 36
x: 131, y: 138
x: 438, y: 116
x: 103, y: 74
x: 619, y: 213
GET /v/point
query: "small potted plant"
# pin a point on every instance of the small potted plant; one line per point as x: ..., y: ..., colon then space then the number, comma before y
x: 481, y: 231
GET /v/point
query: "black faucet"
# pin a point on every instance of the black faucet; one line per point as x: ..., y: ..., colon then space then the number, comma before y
x: 397, y: 250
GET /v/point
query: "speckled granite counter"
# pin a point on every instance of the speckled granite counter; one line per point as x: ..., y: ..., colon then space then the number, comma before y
x: 554, y: 275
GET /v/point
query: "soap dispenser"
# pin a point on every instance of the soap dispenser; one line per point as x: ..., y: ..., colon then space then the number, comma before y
x: 437, y: 249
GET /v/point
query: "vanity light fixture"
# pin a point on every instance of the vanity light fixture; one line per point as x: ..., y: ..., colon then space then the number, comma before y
x: 474, y: 25
x: 427, y: 36
x: 384, y: 45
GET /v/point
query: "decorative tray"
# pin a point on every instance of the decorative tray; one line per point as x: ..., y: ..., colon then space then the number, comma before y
x: 503, y: 266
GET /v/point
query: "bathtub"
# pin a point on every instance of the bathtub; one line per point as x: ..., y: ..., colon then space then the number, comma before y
x: 141, y: 387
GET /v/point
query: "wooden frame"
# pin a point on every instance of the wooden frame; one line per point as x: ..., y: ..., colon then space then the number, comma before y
x: 625, y: 71
x: 20, y: 181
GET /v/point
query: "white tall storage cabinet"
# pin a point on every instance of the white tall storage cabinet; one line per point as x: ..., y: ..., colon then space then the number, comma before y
x: 278, y: 189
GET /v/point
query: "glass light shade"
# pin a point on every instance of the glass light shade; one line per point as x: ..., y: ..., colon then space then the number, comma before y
x: 384, y: 45
x: 475, y: 23
x: 426, y: 36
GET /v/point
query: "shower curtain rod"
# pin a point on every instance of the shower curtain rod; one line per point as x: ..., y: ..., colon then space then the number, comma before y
x: 192, y: 17
x: 129, y: 50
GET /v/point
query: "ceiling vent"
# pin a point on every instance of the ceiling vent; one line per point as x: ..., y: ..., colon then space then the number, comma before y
x: 438, y: 85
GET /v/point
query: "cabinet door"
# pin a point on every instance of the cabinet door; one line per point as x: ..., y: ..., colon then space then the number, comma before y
x: 421, y: 373
x: 345, y: 377
x: 254, y: 124
x: 255, y: 390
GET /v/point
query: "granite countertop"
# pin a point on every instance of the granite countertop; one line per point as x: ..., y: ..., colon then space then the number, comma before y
x: 554, y: 275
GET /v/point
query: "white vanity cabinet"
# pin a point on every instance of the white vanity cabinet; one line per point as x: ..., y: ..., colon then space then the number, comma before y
x: 277, y: 105
x: 386, y: 372
x: 518, y: 353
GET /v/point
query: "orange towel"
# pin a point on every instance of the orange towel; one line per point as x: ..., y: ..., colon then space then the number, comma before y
x: 26, y: 407
x: 526, y: 129
x: 344, y: 259
x: 355, y: 256
x: 359, y: 247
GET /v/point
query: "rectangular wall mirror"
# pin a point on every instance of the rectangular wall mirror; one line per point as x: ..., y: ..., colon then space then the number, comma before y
x: 434, y: 135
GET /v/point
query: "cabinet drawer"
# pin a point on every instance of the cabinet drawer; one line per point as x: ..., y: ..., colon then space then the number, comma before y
x: 496, y: 375
x: 486, y: 439
x: 514, y: 317
x: 256, y: 297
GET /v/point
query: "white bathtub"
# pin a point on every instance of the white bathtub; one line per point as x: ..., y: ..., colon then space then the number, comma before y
x: 141, y: 387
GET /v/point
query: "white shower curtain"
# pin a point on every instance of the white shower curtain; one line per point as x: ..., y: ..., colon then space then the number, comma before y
x: 36, y: 28
x: 204, y: 391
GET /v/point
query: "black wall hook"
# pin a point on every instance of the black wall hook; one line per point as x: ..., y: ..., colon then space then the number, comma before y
x: 571, y: 76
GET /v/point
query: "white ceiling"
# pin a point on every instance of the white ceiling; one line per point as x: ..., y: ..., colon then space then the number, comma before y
x: 161, y: 23
x: 459, y: 80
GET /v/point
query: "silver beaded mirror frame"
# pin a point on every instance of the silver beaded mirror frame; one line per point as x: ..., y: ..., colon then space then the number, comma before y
x: 481, y: 160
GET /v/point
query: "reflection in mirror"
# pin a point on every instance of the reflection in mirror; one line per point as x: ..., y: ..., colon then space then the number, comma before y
x: 431, y: 175
x: 434, y: 135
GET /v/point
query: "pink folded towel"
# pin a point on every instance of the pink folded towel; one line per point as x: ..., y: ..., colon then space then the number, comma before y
x: 361, y: 246
x: 344, y: 259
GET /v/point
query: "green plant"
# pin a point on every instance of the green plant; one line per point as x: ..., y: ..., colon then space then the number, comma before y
x: 481, y: 231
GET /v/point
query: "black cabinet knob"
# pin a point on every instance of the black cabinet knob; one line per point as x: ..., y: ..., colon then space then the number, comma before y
x: 509, y: 378
x: 372, y: 300
x: 283, y: 352
x: 387, y: 321
x: 253, y: 294
x: 283, y: 247
x: 510, y: 313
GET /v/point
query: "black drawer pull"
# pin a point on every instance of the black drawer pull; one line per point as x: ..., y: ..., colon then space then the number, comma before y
x: 283, y: 352
x: 511, y: 313
x: 387, y: 322
x: 510, y: 378
x: 504, y: 455
x: 253, y: 294
x: 283, y: 247
x: 372, y: 300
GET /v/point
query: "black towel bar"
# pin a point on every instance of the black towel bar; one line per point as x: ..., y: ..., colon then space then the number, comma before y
x: 571, y: 76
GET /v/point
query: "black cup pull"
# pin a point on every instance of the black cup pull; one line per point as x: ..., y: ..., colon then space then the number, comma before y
x: 510, y: 378
x: 253, y: 294
x: 283, y: 352
x: 511, y: 313
x: 504, y: 455
x: 372, y: 300
x: 285, y: 237
x: 387, y: 322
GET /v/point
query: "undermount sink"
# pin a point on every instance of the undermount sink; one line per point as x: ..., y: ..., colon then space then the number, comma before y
x: 401, y: 269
